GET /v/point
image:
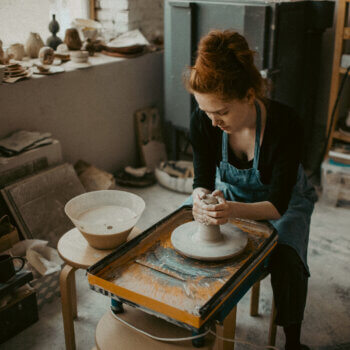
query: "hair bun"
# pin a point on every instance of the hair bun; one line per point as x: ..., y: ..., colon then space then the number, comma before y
x: 225, y: 66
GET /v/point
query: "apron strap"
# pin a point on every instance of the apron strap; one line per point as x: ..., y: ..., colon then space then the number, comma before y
x: 224, y: 147
x: 257, y: 135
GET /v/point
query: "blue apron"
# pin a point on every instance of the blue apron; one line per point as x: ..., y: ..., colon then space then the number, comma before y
x: 244, y: 185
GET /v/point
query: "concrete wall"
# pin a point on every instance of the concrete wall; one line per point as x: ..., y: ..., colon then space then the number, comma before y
x: 91, y: 111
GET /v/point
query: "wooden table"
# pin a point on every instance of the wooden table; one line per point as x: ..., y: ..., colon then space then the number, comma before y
x: 77, y: 254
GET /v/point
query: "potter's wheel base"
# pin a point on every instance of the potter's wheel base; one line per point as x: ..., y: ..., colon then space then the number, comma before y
x: 185, y: 241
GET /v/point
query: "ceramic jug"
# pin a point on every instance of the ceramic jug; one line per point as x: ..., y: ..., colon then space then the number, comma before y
x: 33, y: 44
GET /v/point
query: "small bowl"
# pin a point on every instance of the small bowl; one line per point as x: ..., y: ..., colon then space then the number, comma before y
x: 79, y: 56
x: 105, y: 218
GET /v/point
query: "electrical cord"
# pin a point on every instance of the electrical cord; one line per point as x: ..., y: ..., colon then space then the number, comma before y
x: 331, y: 124
x: 192, y: 337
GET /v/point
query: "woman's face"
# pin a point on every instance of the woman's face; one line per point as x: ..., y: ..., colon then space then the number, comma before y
x: 229, y: 116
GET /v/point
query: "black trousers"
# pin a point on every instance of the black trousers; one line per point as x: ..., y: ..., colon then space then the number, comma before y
x: 289, y: 280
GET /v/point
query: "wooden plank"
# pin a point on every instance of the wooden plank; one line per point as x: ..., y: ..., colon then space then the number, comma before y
x: 340, y: 136
x: 338, y: 50
x: 37, y: 202
x: 92, y: 9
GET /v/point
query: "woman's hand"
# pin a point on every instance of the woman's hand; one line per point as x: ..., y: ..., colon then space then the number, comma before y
x: 212, y: 214
x: 221, y: 213
x: 198, y: 205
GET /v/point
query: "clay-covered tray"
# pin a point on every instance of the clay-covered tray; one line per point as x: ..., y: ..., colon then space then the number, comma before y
x: 148, y: 273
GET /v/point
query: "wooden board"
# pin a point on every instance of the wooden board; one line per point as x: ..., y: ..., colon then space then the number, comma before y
x: 149, y: 136
x: 189, y: 290
x: 37, y: 202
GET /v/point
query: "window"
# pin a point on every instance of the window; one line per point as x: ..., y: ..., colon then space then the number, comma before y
x: 20, y: 17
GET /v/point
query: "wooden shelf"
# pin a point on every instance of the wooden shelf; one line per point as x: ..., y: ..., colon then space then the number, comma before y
x: 342, y: 33
x: 346, y: 35
x: 341, y: 137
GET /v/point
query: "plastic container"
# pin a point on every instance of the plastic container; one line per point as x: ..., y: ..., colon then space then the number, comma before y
x: 105, y: 218
x: 335, y: 180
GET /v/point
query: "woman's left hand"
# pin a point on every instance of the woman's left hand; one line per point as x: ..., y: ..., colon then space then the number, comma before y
x: 221, y: 213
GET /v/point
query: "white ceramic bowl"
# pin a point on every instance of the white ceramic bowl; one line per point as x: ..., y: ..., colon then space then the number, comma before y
x: 79, y: 56
x: 105, y: 218
x: 88, y: 28
x: 183, y: 185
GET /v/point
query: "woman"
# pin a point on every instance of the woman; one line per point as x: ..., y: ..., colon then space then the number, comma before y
x: 247, y: 151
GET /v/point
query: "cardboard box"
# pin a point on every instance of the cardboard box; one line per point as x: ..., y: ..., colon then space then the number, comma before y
x: 8, y: 234
x: 18, y: 315
x: 29, y: 162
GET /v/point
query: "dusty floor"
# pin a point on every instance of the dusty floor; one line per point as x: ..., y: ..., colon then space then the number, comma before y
x: 327, y: 317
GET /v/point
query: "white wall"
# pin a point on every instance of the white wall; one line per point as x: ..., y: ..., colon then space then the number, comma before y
x: 91, y: 111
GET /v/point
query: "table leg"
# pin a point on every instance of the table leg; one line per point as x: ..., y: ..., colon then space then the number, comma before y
x: 73, y: 288
x: 273, y: 326
x: 254, y: 299
x: 227, y: 329
x: 198, y: 342
x: 66, y: 278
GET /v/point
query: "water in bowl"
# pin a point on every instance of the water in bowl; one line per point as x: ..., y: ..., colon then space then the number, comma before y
x: 106, y: 215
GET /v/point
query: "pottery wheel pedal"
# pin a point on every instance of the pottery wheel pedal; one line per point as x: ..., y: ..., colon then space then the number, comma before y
x: 209, y: 242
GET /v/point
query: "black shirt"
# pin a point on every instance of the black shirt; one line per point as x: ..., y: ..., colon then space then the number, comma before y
x: 280, y: 152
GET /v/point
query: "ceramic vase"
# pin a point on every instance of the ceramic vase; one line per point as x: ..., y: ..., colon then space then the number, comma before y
x: 72, y: 39
x: 17, y: 51
x: 33, y: 45
x: 53, y: 41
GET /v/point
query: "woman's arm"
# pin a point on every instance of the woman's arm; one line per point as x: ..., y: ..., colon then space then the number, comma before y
x: 221, y: 213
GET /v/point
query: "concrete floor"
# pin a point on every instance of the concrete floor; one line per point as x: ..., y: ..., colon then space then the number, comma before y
x: 327, y: 316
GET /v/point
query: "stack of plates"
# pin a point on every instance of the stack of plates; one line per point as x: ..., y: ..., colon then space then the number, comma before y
x: 15, y: 72
x: 126, y: 51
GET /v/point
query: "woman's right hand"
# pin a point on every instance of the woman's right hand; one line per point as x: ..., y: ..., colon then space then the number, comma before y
x: 198, y: 205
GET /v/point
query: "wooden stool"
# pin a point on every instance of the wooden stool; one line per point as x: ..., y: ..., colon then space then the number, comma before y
x: 111, y: 334
x: 77, y: 254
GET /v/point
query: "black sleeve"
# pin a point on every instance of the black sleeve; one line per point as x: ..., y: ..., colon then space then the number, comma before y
x: 204, y: 151
x: 286, y: 161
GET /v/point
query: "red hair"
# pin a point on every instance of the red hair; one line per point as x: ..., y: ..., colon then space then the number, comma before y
x: 225, y: 67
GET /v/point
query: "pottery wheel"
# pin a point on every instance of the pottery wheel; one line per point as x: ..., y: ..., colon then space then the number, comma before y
x: 186, y: 241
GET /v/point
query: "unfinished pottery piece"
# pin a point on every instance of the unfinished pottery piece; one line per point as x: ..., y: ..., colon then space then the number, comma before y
x: 17, y: 51
x: 33, y: 45
x: 209, y: 242
x: 79, y: 56
x: 105, y: 218
x: 46, y: 55
x: 62, y: 49
x: 72, y: 39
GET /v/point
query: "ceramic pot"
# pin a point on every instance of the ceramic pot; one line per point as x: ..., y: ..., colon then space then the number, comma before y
x: 79, y: 56
x: 33, y: 45
x: 62, y: 49
x: 72, y: 39
x: 46, y: 55
x: 17, y: 51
